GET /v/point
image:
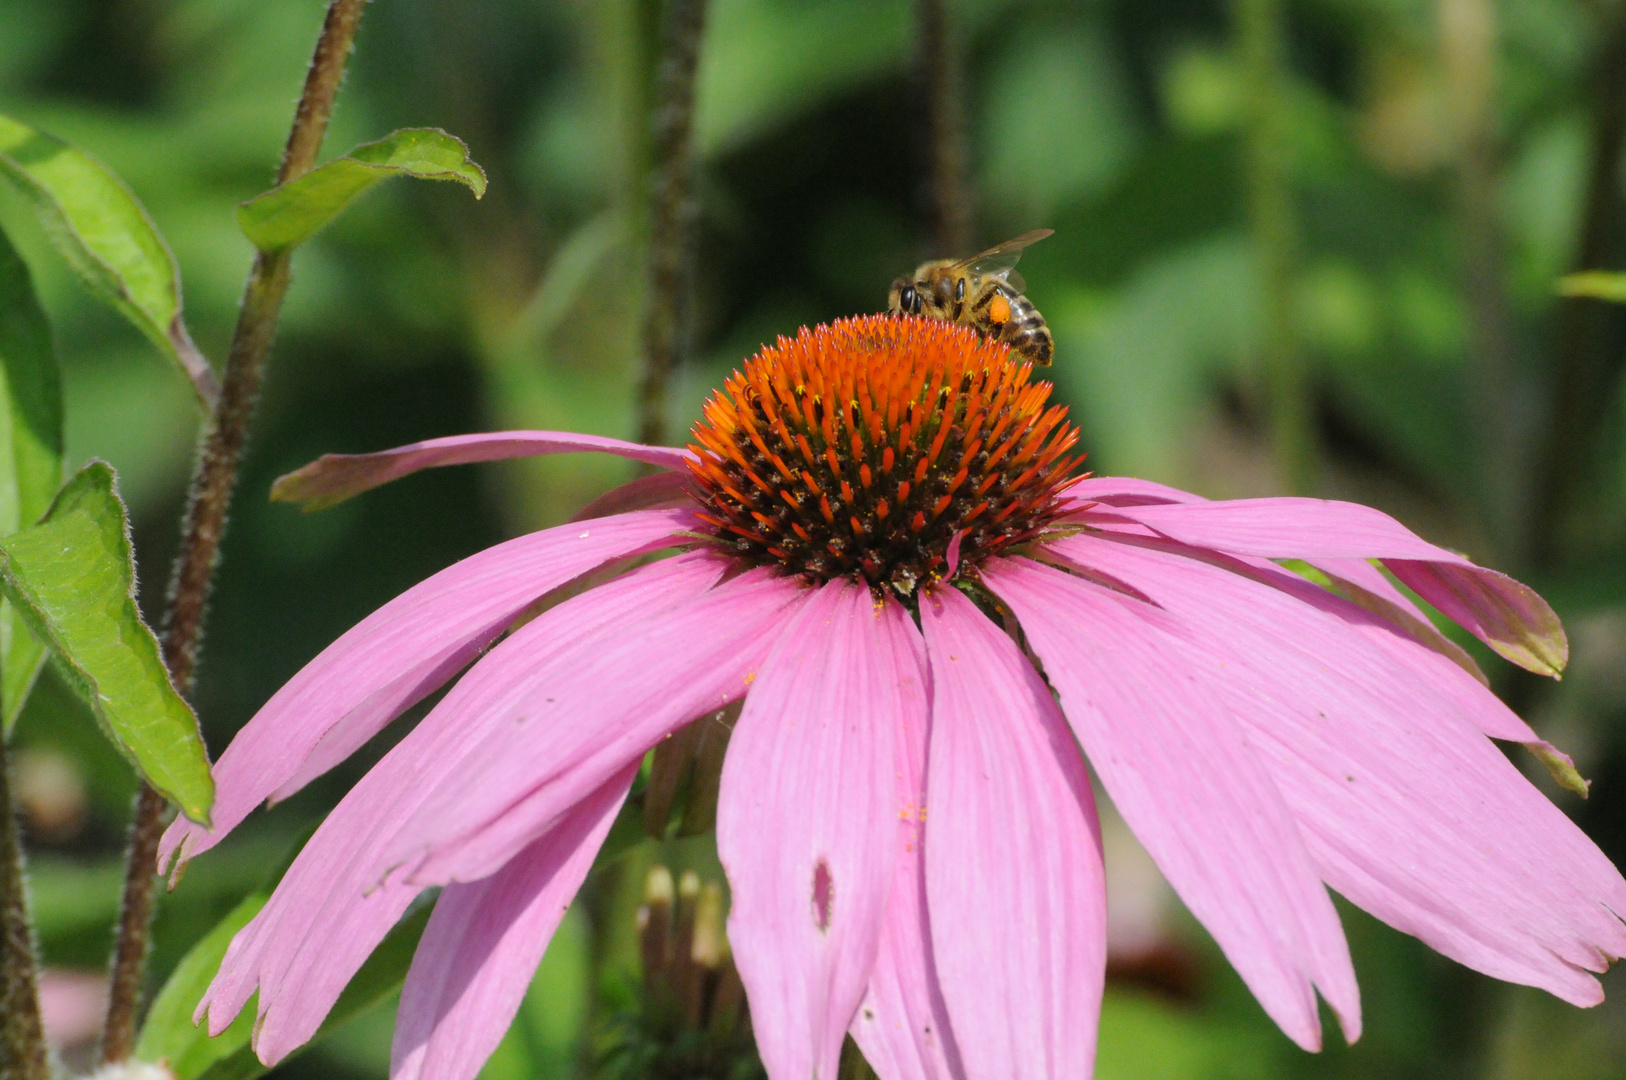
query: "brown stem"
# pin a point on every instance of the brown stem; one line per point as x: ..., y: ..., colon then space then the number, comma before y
x: 673, y: 210
x: 1275, y: 233
x: 937, y: 64
x: 22, y: 1037
x: 1587, y: 368
x: 213, y: 477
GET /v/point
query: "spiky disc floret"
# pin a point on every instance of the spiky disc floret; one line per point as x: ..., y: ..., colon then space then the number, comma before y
x: 863, y: 447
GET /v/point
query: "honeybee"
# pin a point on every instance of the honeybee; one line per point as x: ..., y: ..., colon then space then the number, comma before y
x: 984, y: 292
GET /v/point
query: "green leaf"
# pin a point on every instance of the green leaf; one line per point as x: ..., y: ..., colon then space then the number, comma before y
x: 289, y: 214
x: 72, y: 578
x: 168, y: 1033
x: 106, y: 236
x: 30, y: 454
x: 229, y: 1056
x: 1597, y: 284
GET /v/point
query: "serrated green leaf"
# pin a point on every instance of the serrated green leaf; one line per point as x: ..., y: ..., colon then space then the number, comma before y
x: 30, y: 454
x: 1597, y: 284
x: 106, y: 236
x: 72, y: 578
x: 289, y: 214
x: 230, y: 1056
x: 168, y: 1034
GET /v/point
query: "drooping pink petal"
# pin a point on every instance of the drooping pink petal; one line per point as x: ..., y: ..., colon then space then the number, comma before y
x: 1364, y: 584
x: 485, y: 940
x: 1503, y: 613
x: 1407, y: 808
x: 806, y: 820
x: 657, y: 491
x: 902, y: 1024
x: 1013, y: 859
x: 1124, y: 491
x: 1473, y: 699
x: 398, y: 655
x: 555, y: 731
x: 1178, y: 768
x: 331, y: 908
x: 333, y: 478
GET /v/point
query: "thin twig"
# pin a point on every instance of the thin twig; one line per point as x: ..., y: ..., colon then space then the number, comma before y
x: 937, y: 63
x: 672, y: 213
x: 214, y: 475
x: 22, y: 1036
x: 1270, y: 199
x: 1588, y: 369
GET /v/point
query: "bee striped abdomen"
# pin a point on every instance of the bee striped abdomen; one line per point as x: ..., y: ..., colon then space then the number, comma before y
x: 1027, y: 333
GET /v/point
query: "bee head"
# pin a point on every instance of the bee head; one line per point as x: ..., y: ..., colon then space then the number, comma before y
x: 904, y: 297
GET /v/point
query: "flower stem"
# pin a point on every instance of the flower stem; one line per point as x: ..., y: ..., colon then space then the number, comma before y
x: 938, y: 70
x: 673, y: 211
x: 1588, y: 366
x: 22, y: 1036
x: 213, y: 477
x: 1270, y: 205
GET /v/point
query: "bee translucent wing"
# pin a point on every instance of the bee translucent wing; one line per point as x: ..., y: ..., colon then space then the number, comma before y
x: 999, y: 260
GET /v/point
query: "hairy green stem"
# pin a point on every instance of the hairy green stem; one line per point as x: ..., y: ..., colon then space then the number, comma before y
x: 1275, y: 234
x: 937, y: 63
x: 213, y: 478
x: 672, y: 213
x: 22, y: 1037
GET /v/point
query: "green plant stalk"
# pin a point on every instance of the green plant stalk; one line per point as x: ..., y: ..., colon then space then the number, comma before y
x: 22, y: 1036
x: 1587, y: 370
x: 672, y: 213
x: 1275, y: 232
x: 1467, y: 30
x: 938, y: 70
x: 213, y: 478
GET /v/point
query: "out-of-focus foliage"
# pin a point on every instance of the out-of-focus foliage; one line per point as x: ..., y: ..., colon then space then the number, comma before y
x: 1118, y: 123
x: 30, y: 455
x: 106, y: 236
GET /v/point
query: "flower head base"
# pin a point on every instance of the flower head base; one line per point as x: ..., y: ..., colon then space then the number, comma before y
x: 864, y: 447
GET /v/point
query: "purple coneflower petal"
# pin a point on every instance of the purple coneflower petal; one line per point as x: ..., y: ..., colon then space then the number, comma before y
x: 1409, y: 811
x: 333, y: 478
x: 1013, y: 859
x: 331, y: 908
x: 902, y: 1025
x: 1365, y: 585
x: 553, y: 732
x: 1503, y: 613
x: 485, y: 940
x: 1124, y: 491
x: 396, y: 656
x: 657, y: 491
x: 806, y: 819
x: 1180, y: 771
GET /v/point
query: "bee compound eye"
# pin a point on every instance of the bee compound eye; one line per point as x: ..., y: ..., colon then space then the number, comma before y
x: 909, y: 300
x: 959, y: 290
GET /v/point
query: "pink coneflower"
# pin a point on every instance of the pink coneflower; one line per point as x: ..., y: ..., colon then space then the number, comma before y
x: 932, y: 624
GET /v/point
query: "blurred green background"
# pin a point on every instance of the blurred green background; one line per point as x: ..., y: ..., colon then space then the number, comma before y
x: 1447, y: 160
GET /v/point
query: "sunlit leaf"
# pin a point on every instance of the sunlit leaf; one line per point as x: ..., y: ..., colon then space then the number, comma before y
x: 30, y: 453
x: 1598, y: 284
x: 73, y: 579
x: 289, y: 214
x: 106, y: 236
